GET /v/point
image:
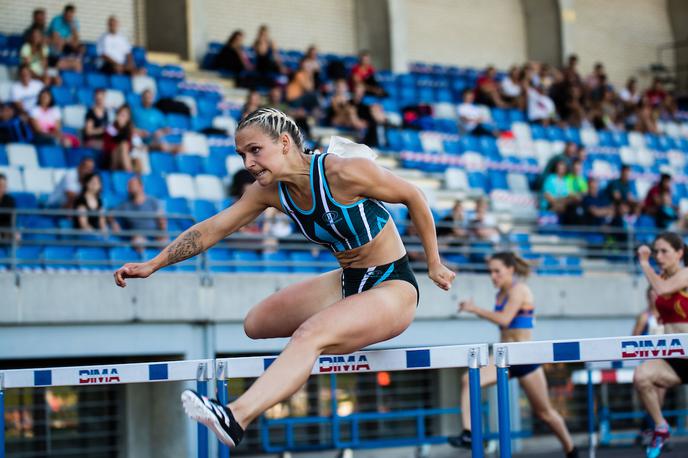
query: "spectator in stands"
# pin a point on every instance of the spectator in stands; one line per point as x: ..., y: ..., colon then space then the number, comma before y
x: 596, y: 79
x: 363, y: 72
x: 115, y: 50
x: 341, y: 112
x: 69, y: 187
x: 233, y: 59
x: 373, y: 116
x: 118, y: 141
x: 656, y: 93
x: 46, y: 122
x: 487, y: 89
x: 668, y: 110
x: 483, y: 226
x: 596, y: 208
x: 511, y: 89
x: 253, y: 101
x: 472, y: 118
x: 301, y: 91
x: 658, y: 202
x: 143, y: 227
x: 575, y: 180
x: 34, y: 53
x: 299, y: 115
x: 311, y: 63
x: 24, y: 92
x: 570, y: 154
x: 38, y: 21
x: 89, y: 206
x: 151, y: 126
x: 622, y: 189
x: 241, y: 180
x: 96, y: 121
x: 268, y: 63
x: 646, y: 117
x: 571, y: 69
x: 454, y: 226
x: 7, y: 203
x: 541, y: 109
x: 63, y: 34
x: 604, y: 113
x: 555, y: 191
x: 630, y: 95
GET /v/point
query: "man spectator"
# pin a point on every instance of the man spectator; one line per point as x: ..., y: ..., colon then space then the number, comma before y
x: 483, y: 226
x: 472, y: 118
x: 64, y: 31
x: 38, y: 21
x: 150, y: 125
x: 541, y: 108
x: 24, y: 92
x: 658, y: 202
x: 555, y: 191
x: 487, y: 89
x: 68, y: 189
x: 142, y: 227
x: 7, y: 204
x: 115, y: 50
x: 622, y: 189
x: 656, y: 93
x: 595, y: 206
x: 454, y: 225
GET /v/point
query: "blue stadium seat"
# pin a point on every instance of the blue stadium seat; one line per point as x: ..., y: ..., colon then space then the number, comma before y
x: 501, y: 118
x: 62, y: 95
x: 203, y: 209
x: 190, y: 164
x: 25, y: 200
x: 215, y: 165
x: 51, y: 156
x: 120, y: 181
x: 3, y: 156
x: 400, y: 216
x: 97, y: 80
x: 177, y: 205
x: 121, y: 83
x: 555, y: 134
x: 276, y: 261
x: 620, y: 138
x: 394, y: 140
x: 247, y: 261
x: 327, y: 260
x: 411, y: 141
x: 167, y: 87
x: 573, y: 266
x: 162, y: 162
x: 469, y: 143
x: 217, y: 256
x: 517, y: 116
x: 123, y: 254
x: 199, y: 123
x: 29, y: 257
x: 58, y: 257
x: 84, y: 96
x: 133, y: 100
x: 155, y: 185
x: 477, y: 180
x: 73, y: 80
x: 178, y: 121
x: 139, y: 55
x: 605, y: 138
x: 45, y: 228
x: 497, y: 180
x: 488, y: 146
x: 305, y: 262
x: 537, y: 132
x: 4, y: 258
x: 572, y: 134
x: 207, y: 107
x: 93, y: 258
x: 452, y: 147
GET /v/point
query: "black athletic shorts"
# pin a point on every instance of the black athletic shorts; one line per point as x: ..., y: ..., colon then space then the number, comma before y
x: 680, y: 366
x: 522, y: 370
x: 356, y: 280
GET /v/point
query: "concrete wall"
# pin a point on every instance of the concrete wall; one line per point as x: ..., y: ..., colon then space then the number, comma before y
x: 295, y: 24
x: 15, y: 15
x: 623, y: 34
x: 543, y: 25
x: 466, y: 32
x: 678, y: 15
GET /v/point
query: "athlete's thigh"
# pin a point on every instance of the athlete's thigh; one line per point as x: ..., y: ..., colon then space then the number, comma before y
x: 659, y: 372
x: 535, y: 387
x: 281, y: 313
x: 488, y: 374
x: 366, y: 318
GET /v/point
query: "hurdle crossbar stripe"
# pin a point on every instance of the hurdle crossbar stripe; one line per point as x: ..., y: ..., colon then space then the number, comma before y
x: 602, y: 349
x: 109, y: 374
x: 401, y: 359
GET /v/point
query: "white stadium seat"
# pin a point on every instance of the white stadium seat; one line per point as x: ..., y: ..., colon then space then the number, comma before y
x: 226, y: 123
x: 140, y: 83
x: 15, y: 181
x: 22, y: 155
x: 39, y: 181
x: 74, y: 116
x: 181, y: 185
x: 195, y: 143
x: 209, y: 187
x: 456, y: 179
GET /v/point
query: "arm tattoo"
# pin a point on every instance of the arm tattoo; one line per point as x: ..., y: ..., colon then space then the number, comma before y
x: 186, y: 246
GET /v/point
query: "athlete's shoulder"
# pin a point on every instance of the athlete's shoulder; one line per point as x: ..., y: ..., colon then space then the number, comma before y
x: 350, y: 169
x: 266, y: 194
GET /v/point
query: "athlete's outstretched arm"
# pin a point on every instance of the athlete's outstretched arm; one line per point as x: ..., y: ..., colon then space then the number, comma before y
x: 364, y: 178
x: 503, y: 318
x: 661, y: 286
x: 200, y: 236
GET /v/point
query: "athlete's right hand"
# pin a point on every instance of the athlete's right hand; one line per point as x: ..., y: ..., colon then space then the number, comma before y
x: 132, y: 270
x: 644, y: 253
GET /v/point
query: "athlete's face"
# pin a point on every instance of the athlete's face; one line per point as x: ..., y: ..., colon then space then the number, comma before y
x: 263, y: 156
x: 667, y: 257
x: 500, y: 274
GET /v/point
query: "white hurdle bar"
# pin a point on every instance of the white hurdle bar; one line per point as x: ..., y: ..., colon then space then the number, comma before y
x: 570, y: 351
x: 199, y: 370
x: 403, y: 359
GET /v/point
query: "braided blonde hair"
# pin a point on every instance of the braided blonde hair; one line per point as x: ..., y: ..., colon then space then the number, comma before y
x: 274, y: 123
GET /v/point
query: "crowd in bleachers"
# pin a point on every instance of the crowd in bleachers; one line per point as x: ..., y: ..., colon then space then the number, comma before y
x: 95, y: 127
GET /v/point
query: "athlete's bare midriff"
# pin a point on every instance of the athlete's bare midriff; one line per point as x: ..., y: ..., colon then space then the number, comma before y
x: 516, y: 335
x: 385, y: 248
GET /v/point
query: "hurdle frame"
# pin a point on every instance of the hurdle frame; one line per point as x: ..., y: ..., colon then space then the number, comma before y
x: 471, y: 356
x: 574, y: 351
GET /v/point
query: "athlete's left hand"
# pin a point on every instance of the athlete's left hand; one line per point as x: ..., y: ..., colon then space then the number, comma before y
x: 441, y: 275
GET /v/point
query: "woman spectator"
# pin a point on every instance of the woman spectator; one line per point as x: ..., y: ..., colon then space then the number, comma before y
x: 486, y: 90
x: 483, y: 226
x: 34, y: 53
x: 46, y: 122
x: 312, y: 64
x: 89, y: 206
x: 364, y: 73
x: 555, y: 191
x: 656, y: 93
x: 301, y: 91
x: 645, y: 117
x: 267, y: 58
x: 232, y: 58
x: 96, y: 121
x: 630, y: 95
x: 252, y: 103
x: 511, y: 89
x: 341, y: 112
x: 117, y: 141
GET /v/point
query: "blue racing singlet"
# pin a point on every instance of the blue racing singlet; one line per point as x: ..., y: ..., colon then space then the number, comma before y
x: 524, y: 319
x: 329, y: 223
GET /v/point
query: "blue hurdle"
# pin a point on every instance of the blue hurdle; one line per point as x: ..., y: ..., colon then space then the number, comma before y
x: 569, y: 351
x: 170, y: 371
x: 404, y: 359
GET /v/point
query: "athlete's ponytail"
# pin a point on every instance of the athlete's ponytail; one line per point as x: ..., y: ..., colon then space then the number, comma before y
x: 510, y: 259
x: 676, y: 242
